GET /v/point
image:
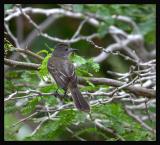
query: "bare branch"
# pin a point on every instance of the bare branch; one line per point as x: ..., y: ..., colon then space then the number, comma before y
x: 114, y: 47
x: 140, y: 91
x: 22, y: 65
x: 31, y: 36
x: 76, y: 136
x: 55, y: 38
x: 49, y: 12
x: 11, y: 35
x: 127, y: 20
x: 26, y: 51
x: 30, y: 94
x: 108, y: 130
x: 79, y: 28
x: 24, y: 119
x: 143, y: 124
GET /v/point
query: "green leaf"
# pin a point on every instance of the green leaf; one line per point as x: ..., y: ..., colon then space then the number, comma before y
x: 93, y: 65
x: 148, y: 30
x: 49, y: 88
x: 10, y: 107
x: 80, y: 117
x: 50, y: 100
x: 103, y: 12
x: 103, y: 29
x: 42, y: 51
x: 85, y: 67
x: 91, y: 84
x: 78, y: 59
x: 147, y: 26
x: 7, y: 46
x: 51, y: 130
x: 43, y: 70
x: 78, y: 8
x: 82, y: 72
x: 29, y: 76
x: 8, y: 6
x: 10, y: 132
x: 9, y: 86
x: 89, y: 88
x: 31, y: 104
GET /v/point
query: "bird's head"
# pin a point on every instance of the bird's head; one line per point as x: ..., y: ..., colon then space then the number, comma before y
x: 62, y: 50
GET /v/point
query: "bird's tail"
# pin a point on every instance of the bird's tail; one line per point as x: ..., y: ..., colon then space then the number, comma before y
x: 78, y: 99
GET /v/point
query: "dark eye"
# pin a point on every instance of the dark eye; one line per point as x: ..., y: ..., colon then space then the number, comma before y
x: 66, y: 49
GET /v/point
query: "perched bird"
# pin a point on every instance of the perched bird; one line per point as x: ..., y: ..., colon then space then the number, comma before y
x: 63, y: 72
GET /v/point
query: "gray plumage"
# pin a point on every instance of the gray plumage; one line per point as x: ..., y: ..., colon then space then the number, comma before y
x: 63, y: 72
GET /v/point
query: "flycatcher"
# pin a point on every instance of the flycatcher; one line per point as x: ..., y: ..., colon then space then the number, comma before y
x: 63, y: 72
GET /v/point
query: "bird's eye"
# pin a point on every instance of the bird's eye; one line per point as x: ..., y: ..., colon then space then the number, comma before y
x: 66, y: 49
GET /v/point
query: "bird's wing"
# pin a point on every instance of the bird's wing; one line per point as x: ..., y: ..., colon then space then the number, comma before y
x: 62, y: 71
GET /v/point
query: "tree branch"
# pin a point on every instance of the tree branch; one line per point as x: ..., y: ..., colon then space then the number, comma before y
x: 22, y: 65
x: 45, y: 35
x: 26, y: 51
x: 140, y: 91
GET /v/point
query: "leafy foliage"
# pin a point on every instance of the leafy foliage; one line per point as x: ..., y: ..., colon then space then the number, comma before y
x: 115, y: 118
x: 143, y: 15
x: 85, y: 66
x: 8, y: 6
x: 121, y: 123
x: 43, y: 71
x: 7, y: 46
x: 112, y: 115
x: 9, y: 133
x: 51, y: 130
x: 30, y: 105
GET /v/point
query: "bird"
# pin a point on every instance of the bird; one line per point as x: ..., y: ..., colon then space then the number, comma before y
x: 63, y: 72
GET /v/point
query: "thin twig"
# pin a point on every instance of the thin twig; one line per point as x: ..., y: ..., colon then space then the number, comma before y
x: 143, y: 124
x: 11, y: 35
x: 24, y: 119
x: 26, y: 51
x: 79, y: 28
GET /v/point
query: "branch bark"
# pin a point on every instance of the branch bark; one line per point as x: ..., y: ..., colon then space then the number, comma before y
x: 140, y: 91
x: 26, y: 51
x: 22, y: 65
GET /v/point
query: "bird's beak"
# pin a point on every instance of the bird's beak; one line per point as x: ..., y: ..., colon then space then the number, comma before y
x: 72, y: 49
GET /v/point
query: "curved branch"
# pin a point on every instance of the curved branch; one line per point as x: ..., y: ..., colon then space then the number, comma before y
x: 26, y: 51
x: 48, y: 12
x: 45, y: 24
x: 140, y: 91
x: 116, y: 46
